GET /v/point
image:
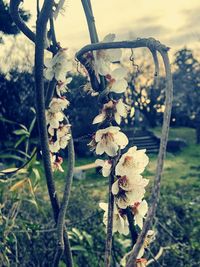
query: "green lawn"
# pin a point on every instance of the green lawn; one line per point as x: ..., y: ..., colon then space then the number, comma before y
x: 179, y: 168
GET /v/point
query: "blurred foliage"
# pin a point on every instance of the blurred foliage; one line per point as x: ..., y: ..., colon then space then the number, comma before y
x: 186, y: 78
x: 16, y: 97
x: 7, y: 26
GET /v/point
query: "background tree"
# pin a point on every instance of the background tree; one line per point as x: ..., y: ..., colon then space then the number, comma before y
x: 187, y: 90
x: 7, y: 26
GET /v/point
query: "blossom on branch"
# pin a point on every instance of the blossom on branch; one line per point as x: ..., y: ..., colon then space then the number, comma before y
x: 120, y: 221
x: 58, y: 104
x: 58, y: 66
x: 106, y: 166
x: 104, y: 58
x: 133, y: 162
x: 56, y: 163
x: 53, y: 119
x: 139, y: 210
x: 114, y: 109
x: 116, y: 80
x: 110, y: 140
x: 150, y: 237
x: 61, y: 87
x: 129, y: 190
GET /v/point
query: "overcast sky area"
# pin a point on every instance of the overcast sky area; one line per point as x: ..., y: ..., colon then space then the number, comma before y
x: 175, y: 23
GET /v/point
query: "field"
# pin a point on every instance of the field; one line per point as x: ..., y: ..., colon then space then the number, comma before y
x: 177, y: 221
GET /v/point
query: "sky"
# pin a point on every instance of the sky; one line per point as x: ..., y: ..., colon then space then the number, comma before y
x: 175, y: 23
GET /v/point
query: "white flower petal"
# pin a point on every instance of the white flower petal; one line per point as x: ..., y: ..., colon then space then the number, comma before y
x: 119, y: 86
x: 109, y: 38
x: 119, y: 73
x: 99, y: 118
x: 115, y: 188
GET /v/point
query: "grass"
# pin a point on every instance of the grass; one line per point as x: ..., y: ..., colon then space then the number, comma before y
x: 177, y: 210
x: 180, y: 169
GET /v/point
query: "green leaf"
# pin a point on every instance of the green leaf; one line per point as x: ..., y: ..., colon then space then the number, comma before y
x: 21, y: 132
x: 10, y: 156
x: 32, y: 125
x: 78, y: 248
x: 20, y: 141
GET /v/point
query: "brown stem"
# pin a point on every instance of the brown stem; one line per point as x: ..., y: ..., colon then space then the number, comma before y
x: 160, y: 162
x: 14, y: 12
x: 40, y: 103
x: 64, y: 204
x: 150, y: 43
x: 132, y: 230
x: 107, y: 258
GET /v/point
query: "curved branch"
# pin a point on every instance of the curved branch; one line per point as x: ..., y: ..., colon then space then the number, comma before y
x: 156, y: 64
x: 40, y: 103
x: 64, y: 204
x: 150, y: 43
x: 14, y: 12
x: 160, y: 162
x: 94, y: 39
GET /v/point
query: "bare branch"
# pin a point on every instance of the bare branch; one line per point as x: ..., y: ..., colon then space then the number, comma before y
x: 150, y: 43
x: 156, y: 64
x: 108, y: 248
x: 64, y: 203
x: 14, y: 12
x: 42, y: 20
x: 160, y: 162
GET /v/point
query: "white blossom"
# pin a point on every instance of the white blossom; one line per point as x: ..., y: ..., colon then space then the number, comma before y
x: 140, y: 210
x: 61, y: 87
x: 112, y: 109
x: 129, y: 190
x: 116, y: 80
x: 56, y: 163
x: 120, y: 221
x: 106, y: 166
x: 53, y: 119
x: 64, y: 140
x: 132, y: 162
x: 58, y: 104
x: 104, y: 58
x: 54, y: 147
x: 109, y: 140
x: 63, y: 130
x: 58, y: 66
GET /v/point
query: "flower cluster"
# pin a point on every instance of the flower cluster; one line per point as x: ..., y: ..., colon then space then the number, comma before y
x: 129, y: 186
x: 58, y: 129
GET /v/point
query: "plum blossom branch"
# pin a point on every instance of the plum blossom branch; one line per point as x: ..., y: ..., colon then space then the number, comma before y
x: 45, y: 14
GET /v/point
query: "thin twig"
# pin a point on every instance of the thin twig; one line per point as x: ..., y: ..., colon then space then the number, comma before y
x: 156, y: 64
x: 109, y: 223
x: 132, y: 230
x: 50, y: 92
x: 14, y: 12
x: 64, y: 203
x: 160, y: 162
x: 38, y: 8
